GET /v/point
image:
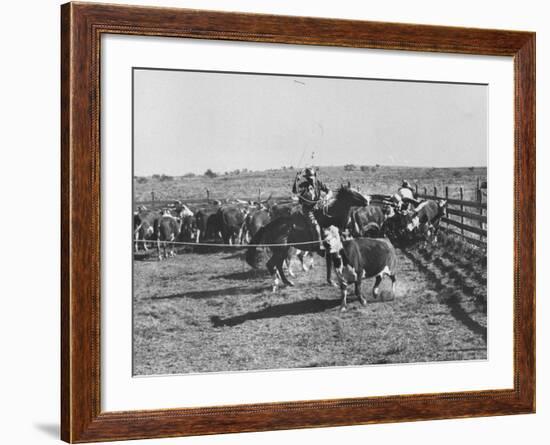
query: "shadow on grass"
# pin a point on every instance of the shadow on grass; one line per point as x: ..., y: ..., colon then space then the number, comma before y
x: 211, y: 293
x: 449, y: 296
x: 151, y: 254
x: 246, y: 275
x: 240, y: 254
x: 146, y: 256
x: 311, y: 306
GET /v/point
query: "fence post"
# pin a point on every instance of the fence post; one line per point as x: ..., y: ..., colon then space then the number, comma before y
x: 416, y: 188
x: 480, y: 199
x: 259, y: 194
x: 447, y: 206
x: 425, y: 191
x: 461, y: 209
x: 208, y: 196
x: 152, y: 196
x: 435, y: 191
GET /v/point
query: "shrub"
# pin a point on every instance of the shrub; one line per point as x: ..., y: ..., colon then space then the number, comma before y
x: 368, y: 168
x: 349, y: 167
x: 210, y: 174
x: 166, y: 178
x: 189, y: 175
x: 141, y: 180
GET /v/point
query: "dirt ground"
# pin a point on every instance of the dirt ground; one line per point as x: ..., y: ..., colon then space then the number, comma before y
x: 209, y: 311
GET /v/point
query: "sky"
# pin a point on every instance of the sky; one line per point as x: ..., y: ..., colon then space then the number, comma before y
x: 188, y: 122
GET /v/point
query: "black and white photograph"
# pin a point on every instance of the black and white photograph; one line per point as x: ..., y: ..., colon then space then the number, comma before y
x: 291, y: 221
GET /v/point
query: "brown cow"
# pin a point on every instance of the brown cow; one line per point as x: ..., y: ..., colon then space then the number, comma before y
x: 356, y: 259
x: 144, y: 222
x: 166, y: 232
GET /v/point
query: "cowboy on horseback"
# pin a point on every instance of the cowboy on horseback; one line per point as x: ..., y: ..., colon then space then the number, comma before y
x: 406, y: 196
x: 309, y: 194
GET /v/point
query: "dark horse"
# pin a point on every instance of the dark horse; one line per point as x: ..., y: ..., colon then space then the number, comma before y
x: 294, y: 229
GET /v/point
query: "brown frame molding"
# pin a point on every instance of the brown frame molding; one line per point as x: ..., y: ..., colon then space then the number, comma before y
x: 82, y: 25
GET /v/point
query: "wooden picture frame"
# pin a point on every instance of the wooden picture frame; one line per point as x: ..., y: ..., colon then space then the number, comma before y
x: 82, y: 26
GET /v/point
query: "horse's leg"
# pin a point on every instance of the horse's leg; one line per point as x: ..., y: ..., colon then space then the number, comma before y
x: 274, y: 273
x: 198, y: 235
x: 328, y: 260
x: 288, y: 263
x: 301, y: 256
x: 375, y: 289
x: 358, y: 292
x: 279, y: 265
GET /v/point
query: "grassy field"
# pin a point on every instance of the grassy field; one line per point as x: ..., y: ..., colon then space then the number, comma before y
x: 205, y: 311
x: 201, y: 312
x: 372, y: 179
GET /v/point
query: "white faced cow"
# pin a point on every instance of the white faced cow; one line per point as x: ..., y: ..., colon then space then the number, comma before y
x: 425, y: 219
x: 144, y: 222
x: 166, y: 232
x: 356, y: 259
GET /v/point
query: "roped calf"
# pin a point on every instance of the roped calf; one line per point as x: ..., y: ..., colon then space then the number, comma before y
x: 357, y: 259
x: 425, y: 218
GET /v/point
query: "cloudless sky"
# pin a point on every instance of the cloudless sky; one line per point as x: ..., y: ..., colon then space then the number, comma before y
x: 191, y: 121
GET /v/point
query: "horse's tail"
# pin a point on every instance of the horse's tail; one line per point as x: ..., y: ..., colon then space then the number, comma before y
x: 253, y: 252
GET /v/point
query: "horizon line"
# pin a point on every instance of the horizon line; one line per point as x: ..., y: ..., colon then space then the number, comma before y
x: 282, y: 168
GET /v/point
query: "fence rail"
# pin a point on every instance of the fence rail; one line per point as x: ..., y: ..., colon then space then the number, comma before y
x: 459, y: 221
x: 467, y: 238
x: 453, y: 201
x: 482, y: 218
x: 466, y: 227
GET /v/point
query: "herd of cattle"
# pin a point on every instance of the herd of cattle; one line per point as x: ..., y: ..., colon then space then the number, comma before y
x: 237, y: 221
x: 362, y: 248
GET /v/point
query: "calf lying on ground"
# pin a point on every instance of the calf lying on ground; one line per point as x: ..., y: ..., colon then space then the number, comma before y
x: 356, y: 259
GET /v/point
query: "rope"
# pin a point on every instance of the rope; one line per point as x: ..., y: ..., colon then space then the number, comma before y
x: 189, y: 243
x: 301, y: 198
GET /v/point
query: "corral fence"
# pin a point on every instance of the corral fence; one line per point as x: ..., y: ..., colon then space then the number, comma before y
x: 465, y: 218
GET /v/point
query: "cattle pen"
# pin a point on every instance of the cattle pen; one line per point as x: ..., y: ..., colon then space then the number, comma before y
x: 206, y: 310
x: 464, y: 218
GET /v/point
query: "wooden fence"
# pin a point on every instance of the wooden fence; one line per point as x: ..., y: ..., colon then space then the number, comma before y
x: 467, y: 219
